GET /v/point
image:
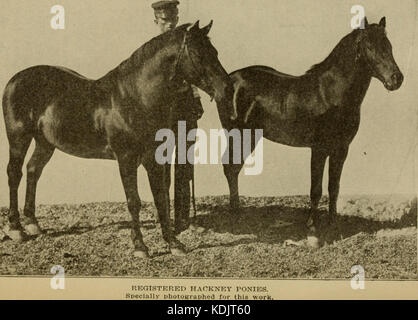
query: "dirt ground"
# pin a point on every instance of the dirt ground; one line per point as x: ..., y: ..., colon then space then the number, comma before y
x: 376, y: 232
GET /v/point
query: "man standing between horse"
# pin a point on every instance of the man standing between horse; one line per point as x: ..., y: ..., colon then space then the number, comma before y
x: 166, y: 18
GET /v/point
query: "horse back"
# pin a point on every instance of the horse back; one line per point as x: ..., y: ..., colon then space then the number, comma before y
x: 55, y: 102
x: 34, y: 88
x: 262, y: 70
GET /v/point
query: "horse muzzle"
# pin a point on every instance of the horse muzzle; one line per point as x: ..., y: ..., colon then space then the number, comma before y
x: 394, y: 82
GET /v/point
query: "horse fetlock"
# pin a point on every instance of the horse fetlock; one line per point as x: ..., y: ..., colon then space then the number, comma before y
x: 332, y: 219
x: 136, y: 235
x: 28, y: 218
x: 312, y: 229
x: 181, y: 225
x: 313, y: 220
x: 140, y: 249
x: 234, y: 203
x: 310, y: 222
x: 177, y: 248
x: 14, y: 222
x: 234, y: 206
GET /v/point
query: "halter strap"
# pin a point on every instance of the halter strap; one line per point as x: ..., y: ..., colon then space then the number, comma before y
x: 184, y: 48
x: 360, y: 52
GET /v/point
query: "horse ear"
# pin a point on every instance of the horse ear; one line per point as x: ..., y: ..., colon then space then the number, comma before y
x: 382, y: 22
x: 366, y: 22
x: 194, y: 27
x: 205, y: 30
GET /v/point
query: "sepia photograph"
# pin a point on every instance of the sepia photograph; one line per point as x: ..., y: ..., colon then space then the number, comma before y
x: 196, y: 140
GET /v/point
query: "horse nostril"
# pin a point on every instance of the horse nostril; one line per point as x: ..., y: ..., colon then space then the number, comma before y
x: 400, y: 78
x: 397, y: 77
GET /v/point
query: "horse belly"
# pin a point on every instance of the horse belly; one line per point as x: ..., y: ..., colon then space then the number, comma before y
x: 76, y: 136
x: 293, y: 133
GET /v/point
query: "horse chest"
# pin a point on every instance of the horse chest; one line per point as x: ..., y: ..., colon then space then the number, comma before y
x: 337, y: 127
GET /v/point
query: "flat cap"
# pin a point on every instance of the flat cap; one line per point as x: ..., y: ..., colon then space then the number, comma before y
x: 160, y: 5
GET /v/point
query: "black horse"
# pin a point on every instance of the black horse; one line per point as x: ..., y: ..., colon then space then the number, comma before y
x: 115, y: 117
x: 319, y: 110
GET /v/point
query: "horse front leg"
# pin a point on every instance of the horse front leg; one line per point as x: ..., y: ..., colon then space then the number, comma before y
x: 159, y: 178
x: 128, y: 172
x: 336, y: 163
x: 231, y: 172
x: 318, y: 158
x: 40, y: 157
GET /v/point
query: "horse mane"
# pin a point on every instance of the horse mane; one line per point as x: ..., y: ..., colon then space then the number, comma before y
x: 343, y: 49
x: 147, y: 51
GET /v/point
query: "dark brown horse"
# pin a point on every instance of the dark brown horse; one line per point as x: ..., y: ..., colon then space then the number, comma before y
x: 319, y: 110
x: 115, y: 117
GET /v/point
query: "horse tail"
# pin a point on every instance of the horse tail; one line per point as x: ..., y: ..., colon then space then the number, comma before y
x: 17, y: 107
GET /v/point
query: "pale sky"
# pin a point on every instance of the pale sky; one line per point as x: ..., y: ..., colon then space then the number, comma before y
x: 287, y: 35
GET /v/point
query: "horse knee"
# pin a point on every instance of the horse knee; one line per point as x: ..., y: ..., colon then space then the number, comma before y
x: 31, y: 170
x: 134, y: 205
x: 14, y: 173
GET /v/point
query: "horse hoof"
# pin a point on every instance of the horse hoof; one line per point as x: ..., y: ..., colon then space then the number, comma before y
x: 33, y: 229
x: 196, y: 228
x: 177, y: 252
x: 313, y: 242
x: 181, y: 228
x: 141, y: 254
x: 16, y: 235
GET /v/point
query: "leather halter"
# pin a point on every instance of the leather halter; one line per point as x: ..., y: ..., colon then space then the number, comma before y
x: 360, y: 52
x: 184, y: 48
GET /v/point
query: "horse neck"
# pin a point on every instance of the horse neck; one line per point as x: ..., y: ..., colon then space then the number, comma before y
x: 147, y: 79
x: 345, y: 82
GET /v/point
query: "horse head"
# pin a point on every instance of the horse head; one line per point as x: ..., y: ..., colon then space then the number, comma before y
x: 375, y: 50
x: 200, y: 66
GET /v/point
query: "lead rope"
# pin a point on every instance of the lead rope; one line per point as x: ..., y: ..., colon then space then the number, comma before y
x: 193, y: 198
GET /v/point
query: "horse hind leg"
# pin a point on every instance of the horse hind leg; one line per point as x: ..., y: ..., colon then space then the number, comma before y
x: 160, y: 180
x: 231, y: 172
x: 40, y: 157
x: 19, y: 142
x: 128, y: 172
x: 318, y: 159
